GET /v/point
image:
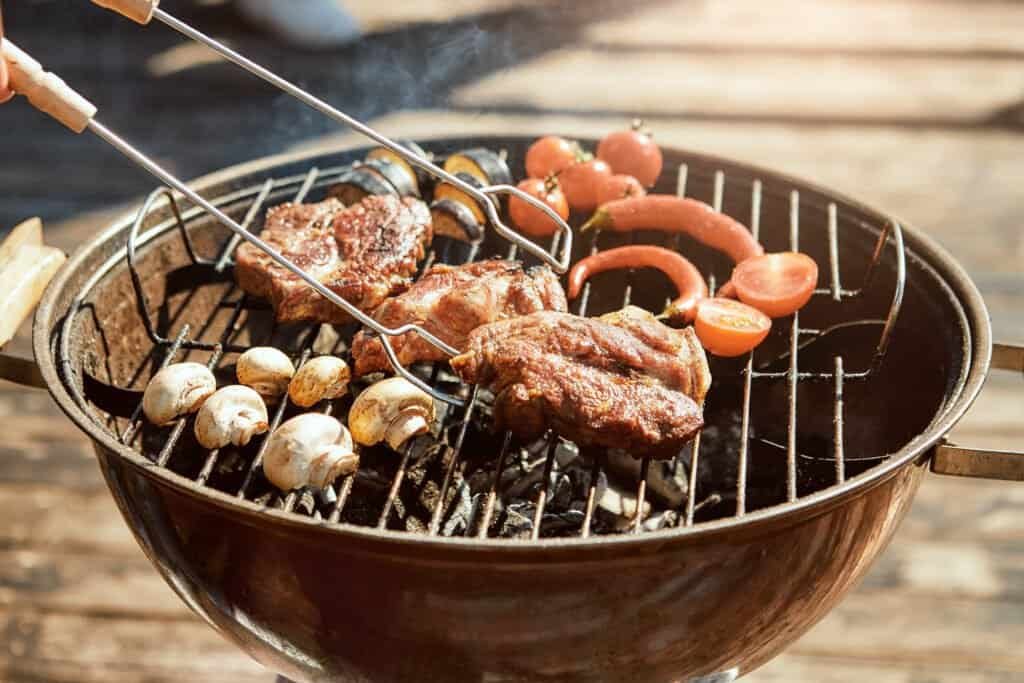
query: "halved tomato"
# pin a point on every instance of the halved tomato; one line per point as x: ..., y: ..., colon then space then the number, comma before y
x: 729, y: 328
x: 776, y: 284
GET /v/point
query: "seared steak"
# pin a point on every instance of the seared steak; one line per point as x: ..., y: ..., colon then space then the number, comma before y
x: 623, y: 380
x: 365, y: 253
x: 452, y: 301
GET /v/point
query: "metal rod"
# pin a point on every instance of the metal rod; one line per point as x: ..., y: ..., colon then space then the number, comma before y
x: 542, y: 495
x: 837, y: 422
x: 165, y: 177
x: 134, y: 421
x: 449, y: 472
x: 742, y: 462
x: 794, y: 335
x: 492, y: 493
x: 482, y: 195
x: 833, y: 251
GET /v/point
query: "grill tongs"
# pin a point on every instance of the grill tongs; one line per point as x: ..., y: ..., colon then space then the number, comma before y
x: 50, y: 94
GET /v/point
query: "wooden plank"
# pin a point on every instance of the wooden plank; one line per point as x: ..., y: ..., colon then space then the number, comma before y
x: 921, y: 90
x: 989, y: 27
x: 87, y: 583
x: 798, y: 668
x: 59, y: 647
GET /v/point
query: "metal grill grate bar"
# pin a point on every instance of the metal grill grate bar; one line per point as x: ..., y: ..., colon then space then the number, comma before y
x: 837, y: 421
x: 741, y: 467
x: 791, y: 377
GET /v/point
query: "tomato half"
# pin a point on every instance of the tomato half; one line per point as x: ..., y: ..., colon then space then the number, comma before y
x: 776, y: 284
x: 531, y: 220
x: 580, y: 183
x: 632, y: 152
x: 550, y: 154
x: 730, y: 328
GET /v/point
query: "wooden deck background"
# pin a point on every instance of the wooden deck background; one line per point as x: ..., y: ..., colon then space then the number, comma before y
x: 914, y: 105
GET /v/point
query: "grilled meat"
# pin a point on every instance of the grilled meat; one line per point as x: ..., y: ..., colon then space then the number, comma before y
x: 623, y: 380
x: 452, y: 301
x: 365, y: 253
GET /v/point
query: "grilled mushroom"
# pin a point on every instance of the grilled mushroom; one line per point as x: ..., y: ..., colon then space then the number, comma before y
x: 265, y: 369
x: 311, y: 449
x: 177, y: 390
x: 319, y: 378
x: 233, y: 415
x: 392, y: 410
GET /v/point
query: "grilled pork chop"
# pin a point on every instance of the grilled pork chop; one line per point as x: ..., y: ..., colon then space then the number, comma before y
x: 365, y: 253
x: 623, y: 380
x: 452, y: 301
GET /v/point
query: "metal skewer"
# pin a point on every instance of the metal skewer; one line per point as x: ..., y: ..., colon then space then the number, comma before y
x: 50, y: 94
x: 143, y: 11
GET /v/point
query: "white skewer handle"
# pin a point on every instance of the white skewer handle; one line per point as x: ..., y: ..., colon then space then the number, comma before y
x: 140, y: 11
x: 45, y: 90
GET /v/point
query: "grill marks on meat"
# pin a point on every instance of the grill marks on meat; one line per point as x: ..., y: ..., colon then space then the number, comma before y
x: 623, y: 380
x: 365, y: 253
x: 452, y: 301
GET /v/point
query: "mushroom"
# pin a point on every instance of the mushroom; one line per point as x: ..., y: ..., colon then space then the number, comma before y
x: 265, y: 369
x: 311, y: 449
x: 177, y: 390
x: 392, y: 410
x: 234, y: 415
x: 319, y: 378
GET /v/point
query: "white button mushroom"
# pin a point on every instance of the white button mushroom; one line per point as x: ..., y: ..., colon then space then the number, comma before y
x: 178, y: 389
x: 265, y: 369
x: 392, y: 410
x: 233, y: 415
x: 319, y: 378
x: 311, y: 449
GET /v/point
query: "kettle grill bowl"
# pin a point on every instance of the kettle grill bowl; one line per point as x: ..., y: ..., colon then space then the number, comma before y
x: 320, y: 601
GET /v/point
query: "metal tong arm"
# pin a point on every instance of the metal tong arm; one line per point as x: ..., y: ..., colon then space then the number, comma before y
x: 50, y: 94
x: 143, y: 11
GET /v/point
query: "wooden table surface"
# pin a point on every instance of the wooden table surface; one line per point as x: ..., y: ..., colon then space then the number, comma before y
x: 914, y: 105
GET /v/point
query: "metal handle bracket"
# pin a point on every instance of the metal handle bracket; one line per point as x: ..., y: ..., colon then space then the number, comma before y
x: 962, y: 461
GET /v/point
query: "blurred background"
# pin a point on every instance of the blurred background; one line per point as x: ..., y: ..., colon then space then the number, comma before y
x: 916, y: 106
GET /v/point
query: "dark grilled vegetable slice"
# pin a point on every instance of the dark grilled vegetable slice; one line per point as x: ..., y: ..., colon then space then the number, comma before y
x: 455, y: 219
x: 486, y: 166
x: 447, y: 191
x: 395, y: 176
x: 419, y: 177
x: 358, y: 183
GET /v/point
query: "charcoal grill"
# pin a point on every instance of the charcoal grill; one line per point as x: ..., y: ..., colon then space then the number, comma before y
x: 813, y: 449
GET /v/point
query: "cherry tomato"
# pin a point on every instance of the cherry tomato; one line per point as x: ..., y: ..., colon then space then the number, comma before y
x: 729, y: 328
x: 619, y: 187
x: 632, y: 152
x: 531, y: 220
x: 580, y: 182
x: 549, y: 155
x: 776, y: 284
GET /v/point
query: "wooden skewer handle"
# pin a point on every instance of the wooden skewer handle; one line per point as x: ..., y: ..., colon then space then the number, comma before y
x: 26, y: 268
x: 136, y: 10
x: 45, y: 90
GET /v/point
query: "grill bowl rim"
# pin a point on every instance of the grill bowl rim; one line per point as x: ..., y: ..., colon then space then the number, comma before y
x: 966, y: 297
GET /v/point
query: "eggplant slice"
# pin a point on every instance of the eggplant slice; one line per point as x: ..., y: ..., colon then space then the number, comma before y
x: 448, y: 191
x: 358, y: 183
x: 454, y: 219
x: 486, y: 166
x: 419, y: 178
x: 394, y: 175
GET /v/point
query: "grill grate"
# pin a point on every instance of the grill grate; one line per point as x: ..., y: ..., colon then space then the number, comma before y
x: 331, y: 505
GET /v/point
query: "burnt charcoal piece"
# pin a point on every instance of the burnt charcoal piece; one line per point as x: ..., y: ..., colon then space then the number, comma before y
x: 365, y: 253
x: 623, y: 380
x: 452, y: 301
